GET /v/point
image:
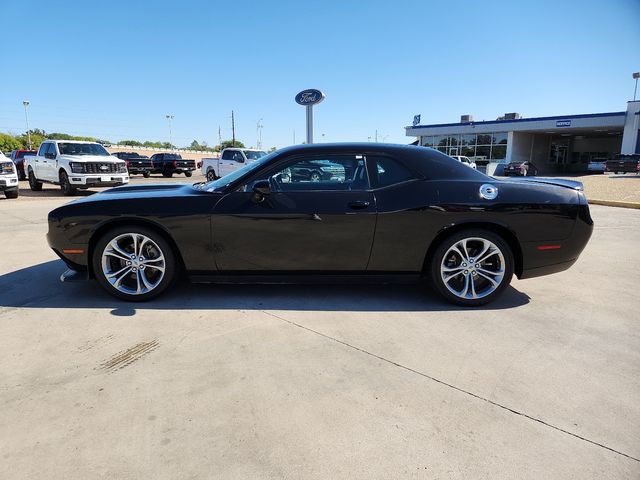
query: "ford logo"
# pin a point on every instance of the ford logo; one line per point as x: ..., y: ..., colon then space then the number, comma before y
x: 309, y: 97
x: 104, y: 168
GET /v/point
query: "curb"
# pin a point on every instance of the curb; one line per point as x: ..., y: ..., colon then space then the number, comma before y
x: 613, y: 203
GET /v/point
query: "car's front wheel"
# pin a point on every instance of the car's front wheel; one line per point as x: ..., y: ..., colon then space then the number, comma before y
x: 472, y: 267
x: 12, y: 193
x: 187, y: 174
x: 65, y: 185
x: 146, y: 174
x: 134, y: 263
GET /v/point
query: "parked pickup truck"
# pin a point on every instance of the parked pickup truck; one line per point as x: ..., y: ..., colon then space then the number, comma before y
x: 169, y: 163
x: 74, y: 165
x: 136, y: 163
x: 8, y: 177
x: 624, y: 164
x: 230, y: 160
x: 18, y: 158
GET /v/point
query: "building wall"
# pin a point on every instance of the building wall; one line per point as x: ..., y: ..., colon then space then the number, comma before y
x: 631, y: 128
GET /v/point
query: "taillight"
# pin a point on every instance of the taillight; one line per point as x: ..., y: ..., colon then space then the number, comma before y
x: 175, y: 164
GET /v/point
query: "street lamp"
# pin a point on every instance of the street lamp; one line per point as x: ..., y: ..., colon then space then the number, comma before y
x: 259, y: 127
x: 636, y: 75
x: 170, y: 117
x: 26, y: 116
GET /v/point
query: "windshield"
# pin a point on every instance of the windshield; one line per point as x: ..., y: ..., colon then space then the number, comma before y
x: 82, y: 149
x: 233, y: 176
x: 254, y: 155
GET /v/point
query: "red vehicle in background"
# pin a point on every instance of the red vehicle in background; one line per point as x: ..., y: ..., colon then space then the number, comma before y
x: 18, y: 158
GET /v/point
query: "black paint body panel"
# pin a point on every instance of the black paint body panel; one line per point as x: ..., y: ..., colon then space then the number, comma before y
x: 225, y: 233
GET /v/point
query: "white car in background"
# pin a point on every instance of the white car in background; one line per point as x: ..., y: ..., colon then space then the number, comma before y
x: 8, y: 177
x: 229, y: 161
x: 74, y: 165
x: 466, y: 160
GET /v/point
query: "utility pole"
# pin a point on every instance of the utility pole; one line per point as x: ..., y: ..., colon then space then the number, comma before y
x: 219, y: 136
x: 233, y: 130
x: 376, y: 135
x: 636, y: 75
x: 294, y: 136
x: 26, y: 116
x: 170, y: 117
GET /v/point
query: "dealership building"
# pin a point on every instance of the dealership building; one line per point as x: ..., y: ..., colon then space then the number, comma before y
x: 563, y: 143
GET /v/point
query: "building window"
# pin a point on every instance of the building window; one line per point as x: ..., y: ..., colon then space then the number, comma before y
x: 483, y: 146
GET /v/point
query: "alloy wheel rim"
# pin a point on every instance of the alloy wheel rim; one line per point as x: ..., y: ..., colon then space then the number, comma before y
x: 133, y: 263
x: 472, y: 268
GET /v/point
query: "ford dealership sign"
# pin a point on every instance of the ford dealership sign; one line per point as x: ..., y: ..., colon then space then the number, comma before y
x: 563, y: 123
x: 309, y: 97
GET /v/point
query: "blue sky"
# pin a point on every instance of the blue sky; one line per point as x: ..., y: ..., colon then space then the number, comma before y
x: 115, y: 69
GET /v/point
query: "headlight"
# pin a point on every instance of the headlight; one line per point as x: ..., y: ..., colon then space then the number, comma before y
x: 7, y: 168
x: 122, y: 167
x: 76, y: 167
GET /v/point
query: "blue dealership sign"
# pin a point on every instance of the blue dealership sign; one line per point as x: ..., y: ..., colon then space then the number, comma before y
x: 310, y: 96
x: 563, y: 123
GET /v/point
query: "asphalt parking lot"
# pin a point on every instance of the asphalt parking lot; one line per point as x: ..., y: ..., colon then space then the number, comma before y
x: 319, y: 382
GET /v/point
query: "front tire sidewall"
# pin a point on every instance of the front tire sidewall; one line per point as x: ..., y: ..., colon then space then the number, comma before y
x: 170, y: 263
x: 187, y: 174
x: 65, y: 185
x: 441, y: 250
x: 34, y: 184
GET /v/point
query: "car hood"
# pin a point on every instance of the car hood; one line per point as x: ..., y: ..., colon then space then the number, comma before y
x: 129, y: 192
x: 91, y: 158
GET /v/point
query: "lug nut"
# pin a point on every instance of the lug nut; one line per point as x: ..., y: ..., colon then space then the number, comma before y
x: 466, y: 272
x: 464, y: 264
x: 134, y: 269
x: 128, y: 264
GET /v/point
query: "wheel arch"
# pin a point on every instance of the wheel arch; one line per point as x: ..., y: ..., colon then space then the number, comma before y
x: 505, y: 233
x: 121, y: 222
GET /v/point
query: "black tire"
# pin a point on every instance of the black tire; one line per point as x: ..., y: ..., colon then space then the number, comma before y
x: 12, y: 193
x: 171, y: 264
x: 166, y: 173
x: 315, y: 176
x: 211, y: 175
x: 187, y: 174
x: 34, y: 184
x: 442, y: 249
x: 146, y: 174
x: 65, y: 185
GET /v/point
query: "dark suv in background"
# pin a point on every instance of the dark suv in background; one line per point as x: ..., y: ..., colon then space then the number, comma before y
x: 136, y: 163
x: 18, y: 158
x: 169, y: 163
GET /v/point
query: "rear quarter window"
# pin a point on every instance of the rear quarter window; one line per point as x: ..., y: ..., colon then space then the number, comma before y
x: 388, y: 171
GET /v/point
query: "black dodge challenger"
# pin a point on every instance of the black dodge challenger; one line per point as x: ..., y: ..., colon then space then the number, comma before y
x: 387, y: 213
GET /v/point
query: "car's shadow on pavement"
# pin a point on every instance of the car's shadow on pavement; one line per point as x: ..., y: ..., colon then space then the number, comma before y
x: 39, y: 287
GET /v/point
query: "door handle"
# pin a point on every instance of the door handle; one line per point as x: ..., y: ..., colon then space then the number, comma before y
x: 358, y: 205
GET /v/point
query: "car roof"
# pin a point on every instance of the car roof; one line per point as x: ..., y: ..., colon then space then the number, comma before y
x: 57, y: 140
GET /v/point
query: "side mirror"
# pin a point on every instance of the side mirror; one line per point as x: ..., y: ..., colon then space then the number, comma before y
x: 260, y: 190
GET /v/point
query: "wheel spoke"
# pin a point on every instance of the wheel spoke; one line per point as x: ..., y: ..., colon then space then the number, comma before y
x: 115, y: 247
x: 145, y: 281
x: 491, y: 252
x: 494, y: 283
x: 117, y: 255
x: 118, y: 281
x: 115, y: 274
x: 138, y: 289
x: 473, y: 286
x: 463, y: 256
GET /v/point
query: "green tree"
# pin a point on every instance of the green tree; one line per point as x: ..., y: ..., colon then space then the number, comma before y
x: 9, y: 142
x: 230, y: 143
x: 133, y: 143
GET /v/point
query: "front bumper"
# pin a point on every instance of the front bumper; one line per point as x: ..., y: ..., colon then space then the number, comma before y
x: 8, y: 182
x: 106, y: 180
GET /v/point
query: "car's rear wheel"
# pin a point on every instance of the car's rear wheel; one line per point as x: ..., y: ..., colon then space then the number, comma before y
x: 471, y: 267
x: 187, y: 174
x: 134, y: 263
x: 34, y: 184
x: 211, y: 175
x: 167, y: 173
x: 146, y: 174
x: 315, y: 176
x: 65, y: 185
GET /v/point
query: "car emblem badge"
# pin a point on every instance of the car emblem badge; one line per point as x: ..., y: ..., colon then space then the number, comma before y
x: 488, y: 191
x: 104, y: 168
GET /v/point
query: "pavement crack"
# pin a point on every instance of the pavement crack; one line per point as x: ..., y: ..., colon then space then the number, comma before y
x: 459, y: 389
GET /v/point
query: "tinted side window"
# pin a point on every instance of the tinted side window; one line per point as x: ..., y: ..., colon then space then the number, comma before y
x: 389, y: 172
x: 227, y: 155
x: 43, y: 149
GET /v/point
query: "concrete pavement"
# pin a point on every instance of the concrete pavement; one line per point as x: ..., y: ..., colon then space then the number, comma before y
x: 319, y: 382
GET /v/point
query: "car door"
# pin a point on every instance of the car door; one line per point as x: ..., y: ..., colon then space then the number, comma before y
x: 51, y: 163
x: 231, y: 160
x: 300, y: 226
x: 38, y: 164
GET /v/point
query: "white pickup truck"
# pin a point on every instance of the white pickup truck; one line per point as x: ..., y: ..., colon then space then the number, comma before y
x: 8, y: 177
x: 74, y: 165
x: 230, y: 160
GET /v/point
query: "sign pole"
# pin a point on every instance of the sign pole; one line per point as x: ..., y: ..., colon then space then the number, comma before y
x: 309, y: 124
x: 309, y: 98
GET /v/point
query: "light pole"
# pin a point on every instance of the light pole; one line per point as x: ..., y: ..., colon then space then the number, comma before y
x: 26, y: 116
x: 170, y: 117
x: 259, y: 134
x: 636, y: 75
